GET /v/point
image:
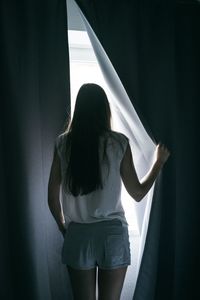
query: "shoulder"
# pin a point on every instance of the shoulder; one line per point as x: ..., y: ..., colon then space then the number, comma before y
x: 118, y: 136
x: 118, y: 139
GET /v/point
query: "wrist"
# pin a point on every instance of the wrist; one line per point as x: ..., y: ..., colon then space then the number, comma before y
x: 61, y: 226
x: 159, y: 164
x: 62, y: 230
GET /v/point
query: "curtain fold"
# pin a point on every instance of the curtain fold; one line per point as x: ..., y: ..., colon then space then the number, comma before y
x: 35, y: 101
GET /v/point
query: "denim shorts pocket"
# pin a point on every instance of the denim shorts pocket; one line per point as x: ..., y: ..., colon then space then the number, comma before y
x: 77, y: 252
x: 115, y: 250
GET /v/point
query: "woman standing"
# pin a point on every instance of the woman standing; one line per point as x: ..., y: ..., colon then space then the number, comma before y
x: 90, y: 160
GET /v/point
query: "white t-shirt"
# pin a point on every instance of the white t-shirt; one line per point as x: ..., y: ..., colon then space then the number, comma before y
x: 102, y: 204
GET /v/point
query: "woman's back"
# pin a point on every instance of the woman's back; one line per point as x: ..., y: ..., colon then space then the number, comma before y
x: 103, y: 203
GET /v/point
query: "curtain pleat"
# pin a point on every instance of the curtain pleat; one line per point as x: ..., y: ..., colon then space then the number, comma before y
x: 35, y: 101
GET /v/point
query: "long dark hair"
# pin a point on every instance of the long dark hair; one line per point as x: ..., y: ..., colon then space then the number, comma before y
x: 91, y: 119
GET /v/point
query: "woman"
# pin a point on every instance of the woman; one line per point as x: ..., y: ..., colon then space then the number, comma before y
x: 90, y: 160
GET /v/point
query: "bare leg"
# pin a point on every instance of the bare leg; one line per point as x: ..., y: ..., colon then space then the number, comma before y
x: 83, y: 283
x: 110, y: 283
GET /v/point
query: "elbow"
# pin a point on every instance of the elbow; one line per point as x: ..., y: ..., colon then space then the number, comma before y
x: 50, y: 201
x: 53, y: 196
x: 138, y: 194
x: 141, y: 193
x: 138, y: 197
x: 135, y: 191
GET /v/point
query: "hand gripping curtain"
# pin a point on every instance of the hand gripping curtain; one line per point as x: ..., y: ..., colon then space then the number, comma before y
x: 106, y: 25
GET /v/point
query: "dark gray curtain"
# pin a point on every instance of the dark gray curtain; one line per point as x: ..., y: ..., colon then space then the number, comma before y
x: 34, y: 106
x: 153, y: 46
x: 187, y: 148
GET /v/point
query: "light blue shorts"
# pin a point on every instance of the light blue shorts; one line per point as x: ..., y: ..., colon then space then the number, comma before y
x: 104, y: 244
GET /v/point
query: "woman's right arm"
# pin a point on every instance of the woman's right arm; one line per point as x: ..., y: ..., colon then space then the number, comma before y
x: 138, y: 189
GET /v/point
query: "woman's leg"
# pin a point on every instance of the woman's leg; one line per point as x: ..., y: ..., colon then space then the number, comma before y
x: 83, y: 283
x: 110, y: 283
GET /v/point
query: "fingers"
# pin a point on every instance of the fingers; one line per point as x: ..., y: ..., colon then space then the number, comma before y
x: 163, y: 146
x: 162, y: 152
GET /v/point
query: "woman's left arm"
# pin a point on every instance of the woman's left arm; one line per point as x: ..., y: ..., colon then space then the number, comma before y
x: 54, y: 192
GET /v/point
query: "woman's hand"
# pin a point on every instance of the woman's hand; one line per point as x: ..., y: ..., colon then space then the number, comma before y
x: 162, y: 153
x: 62, y: 230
